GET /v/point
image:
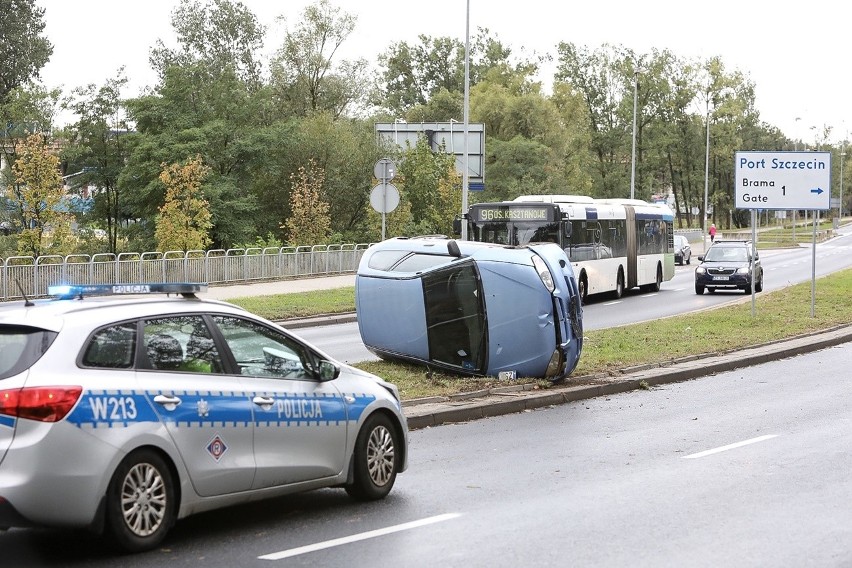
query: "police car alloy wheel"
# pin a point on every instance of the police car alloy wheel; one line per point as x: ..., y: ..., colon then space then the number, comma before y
x: 375, y: 461
x: 140, y: 502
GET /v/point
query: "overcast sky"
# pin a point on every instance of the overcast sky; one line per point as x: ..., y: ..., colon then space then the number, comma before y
x: 795, y: 53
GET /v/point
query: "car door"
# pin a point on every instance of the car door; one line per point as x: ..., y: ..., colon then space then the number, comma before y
x: 206, y: 412
x: 300, y: 423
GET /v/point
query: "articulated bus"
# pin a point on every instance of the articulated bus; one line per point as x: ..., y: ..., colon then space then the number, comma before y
x: 613, y: 244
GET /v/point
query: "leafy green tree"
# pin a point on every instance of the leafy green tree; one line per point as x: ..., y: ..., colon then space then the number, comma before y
x: 216, y: 36
x: 426, y: 178
x: 594, y: 75
x: 305, y: 76
x: 308, y: 223
x: 98, y: 150
x: 23, y: 48
x: 184, y: 221
x: 411, y: 75
x: 37, y: 195
x: 209, y: 102
x: 28, y: 109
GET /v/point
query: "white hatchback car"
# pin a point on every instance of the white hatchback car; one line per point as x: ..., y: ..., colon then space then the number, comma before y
x: 135, y: 411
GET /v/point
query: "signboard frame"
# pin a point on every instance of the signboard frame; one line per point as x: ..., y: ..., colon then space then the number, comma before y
x: 782, y: 180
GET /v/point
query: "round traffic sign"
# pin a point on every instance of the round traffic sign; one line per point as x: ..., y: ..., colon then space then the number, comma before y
x: 384, y: 169
x: 384, y: 198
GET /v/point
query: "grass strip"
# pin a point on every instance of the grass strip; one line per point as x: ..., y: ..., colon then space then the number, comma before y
x: 781, y: 314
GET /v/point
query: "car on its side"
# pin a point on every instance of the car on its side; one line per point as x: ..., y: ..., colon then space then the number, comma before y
x: 682, y: 250
x: 471, y: 307
x: 728, y: 265
x: 122, y: 413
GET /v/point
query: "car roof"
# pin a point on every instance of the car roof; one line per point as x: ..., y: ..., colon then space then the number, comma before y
x: 52, y: 314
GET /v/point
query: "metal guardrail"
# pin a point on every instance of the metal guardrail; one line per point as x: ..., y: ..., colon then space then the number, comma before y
x: 30, y: 276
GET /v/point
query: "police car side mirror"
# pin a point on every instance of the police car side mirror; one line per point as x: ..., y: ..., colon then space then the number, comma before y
x: 328, y: 371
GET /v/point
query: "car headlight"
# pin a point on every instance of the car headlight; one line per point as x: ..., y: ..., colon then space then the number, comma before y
x: 700, y: 270
x: 544, y: 273
x: 745, y: 270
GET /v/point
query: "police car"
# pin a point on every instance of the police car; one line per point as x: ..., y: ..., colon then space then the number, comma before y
x: 126, y: 407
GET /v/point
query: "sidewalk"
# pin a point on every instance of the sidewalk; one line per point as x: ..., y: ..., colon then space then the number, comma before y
x: 288, y: 286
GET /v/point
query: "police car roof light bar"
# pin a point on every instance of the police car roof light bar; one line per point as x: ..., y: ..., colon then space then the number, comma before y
x: 66, y: 291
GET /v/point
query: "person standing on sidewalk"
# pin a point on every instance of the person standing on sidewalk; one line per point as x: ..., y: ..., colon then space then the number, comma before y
x: 712, y: 232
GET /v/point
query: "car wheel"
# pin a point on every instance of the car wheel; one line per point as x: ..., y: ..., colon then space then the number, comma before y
x: 376, y: 459
x: 699, y: 289
x: 584, y: 288
x: 689, y: 259
x: 759, y: 286
x: 619, y: 285
x: 141, y: 504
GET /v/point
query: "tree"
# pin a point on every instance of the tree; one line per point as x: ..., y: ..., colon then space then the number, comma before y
x: 305, y: 76
x: 23, y: 50
x: 219, y: 36
x: 184, y: 221
x: 98, y: 150
x: 427, y: 180
x: 37, y: 196
x: 309, y: 222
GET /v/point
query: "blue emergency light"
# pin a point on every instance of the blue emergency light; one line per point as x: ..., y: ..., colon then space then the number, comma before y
x: 65, y: 291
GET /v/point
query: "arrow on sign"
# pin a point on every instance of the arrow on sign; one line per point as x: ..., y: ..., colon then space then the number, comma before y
x: 817, y: 190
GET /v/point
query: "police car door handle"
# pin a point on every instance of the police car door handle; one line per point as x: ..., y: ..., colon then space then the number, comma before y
x: 263, y: 401
x: 168, y: 402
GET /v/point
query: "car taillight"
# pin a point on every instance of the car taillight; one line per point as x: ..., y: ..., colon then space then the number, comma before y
x: 45, y: 404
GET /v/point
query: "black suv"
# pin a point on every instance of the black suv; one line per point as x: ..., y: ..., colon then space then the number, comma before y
x: 727, y: 265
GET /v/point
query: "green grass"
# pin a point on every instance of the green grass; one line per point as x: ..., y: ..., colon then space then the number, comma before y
x: 300, y: 305
x: 778, y: 315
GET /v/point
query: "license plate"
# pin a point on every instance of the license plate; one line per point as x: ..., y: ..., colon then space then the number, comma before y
x: 721, y: 278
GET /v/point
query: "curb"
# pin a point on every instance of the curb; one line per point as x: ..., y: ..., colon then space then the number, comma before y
x: 498, y: 401
x: 495, y: 402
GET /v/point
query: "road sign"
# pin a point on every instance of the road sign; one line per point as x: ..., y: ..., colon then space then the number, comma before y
x: 782, y: 180
x: 384, y: 198
x: 384, y: 169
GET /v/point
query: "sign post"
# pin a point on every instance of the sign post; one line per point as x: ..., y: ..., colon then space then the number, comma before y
x: 384, y: 197
x: 784, y: 180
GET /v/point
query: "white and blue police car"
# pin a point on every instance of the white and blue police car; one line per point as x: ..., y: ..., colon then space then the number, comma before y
x: 136, y: 405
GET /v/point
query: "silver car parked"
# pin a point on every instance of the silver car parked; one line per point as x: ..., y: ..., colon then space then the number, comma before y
x: 135, y: 411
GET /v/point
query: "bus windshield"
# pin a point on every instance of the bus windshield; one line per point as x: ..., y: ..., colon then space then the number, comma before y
x: 518, y: 234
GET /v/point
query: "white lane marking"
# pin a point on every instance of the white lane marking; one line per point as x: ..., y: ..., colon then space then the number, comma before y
x: 357, y: 537
x: 612, y: 303
x: 730, y: 447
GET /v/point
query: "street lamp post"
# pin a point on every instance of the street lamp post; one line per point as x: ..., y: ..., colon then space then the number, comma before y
x: 633, y: 153
x: 466, y: 174
x: 706, y: 174
x: 842, y: 156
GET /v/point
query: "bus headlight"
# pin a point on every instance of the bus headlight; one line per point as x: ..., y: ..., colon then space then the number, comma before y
x: 544, y: 273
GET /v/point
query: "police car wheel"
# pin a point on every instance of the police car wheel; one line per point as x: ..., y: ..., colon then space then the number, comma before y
x: 376, y: 459
x: 141, y: 503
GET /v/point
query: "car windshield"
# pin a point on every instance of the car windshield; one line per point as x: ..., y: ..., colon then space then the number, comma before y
x: 727, y: 254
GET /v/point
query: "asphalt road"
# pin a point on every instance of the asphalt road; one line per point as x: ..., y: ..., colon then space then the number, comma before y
x: 743, y: 468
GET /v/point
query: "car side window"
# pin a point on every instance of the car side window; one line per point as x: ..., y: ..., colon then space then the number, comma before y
x: 180, y: 343
x: 112, y: 347
x: 263, y: 352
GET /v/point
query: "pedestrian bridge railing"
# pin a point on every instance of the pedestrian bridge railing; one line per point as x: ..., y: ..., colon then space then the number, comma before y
x: 30, y: 276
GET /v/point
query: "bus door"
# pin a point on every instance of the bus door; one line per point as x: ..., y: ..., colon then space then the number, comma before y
x: 632, y: 247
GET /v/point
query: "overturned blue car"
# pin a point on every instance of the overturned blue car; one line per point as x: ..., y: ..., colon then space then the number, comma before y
x: 471, y: 308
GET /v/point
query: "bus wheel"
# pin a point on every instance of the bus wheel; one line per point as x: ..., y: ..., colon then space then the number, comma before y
x: 584, y: 288
x: 619, y: 285
x: 655, y: 287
